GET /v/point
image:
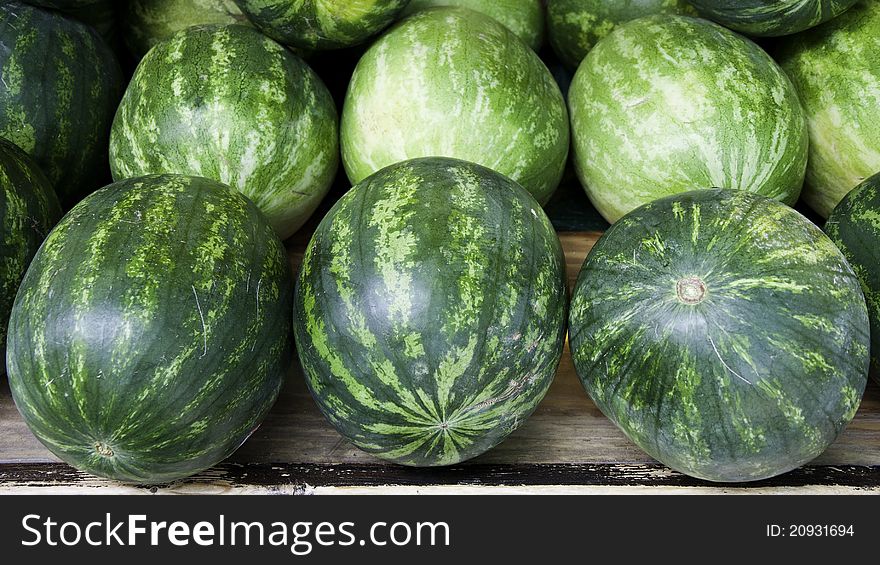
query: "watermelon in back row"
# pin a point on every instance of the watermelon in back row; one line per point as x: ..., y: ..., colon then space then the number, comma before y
x: 321, y: 24
x: 228, y: 103
x: 147, y: 22
x: 525, y: 18
x: 60, y: 87
x: 771, y: 18
x: 836, y: 71
x: 455, y: 83
x: 669, y: 104
x: 159, y: 349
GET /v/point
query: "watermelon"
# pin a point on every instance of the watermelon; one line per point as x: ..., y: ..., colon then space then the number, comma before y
x: 429, y: 312
x: 454, y: 83
x: 227, y: 103
x: 836, y: 71
x: 771, y: 17
x: 28, y: 210
x: 525, y: 18
x: 854, y: 226
x: 152, y: 332
x: 723, y: 332
x: 668, y: 104
x: 574, y: 26
x: 101, y: 16
x: 147, y: 22
x: 60, y: 87
x: 319, y: 24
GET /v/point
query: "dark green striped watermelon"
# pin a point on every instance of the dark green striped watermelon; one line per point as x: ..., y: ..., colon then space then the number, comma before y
x: 60, y: 87
x: 854, y: 226
x: 147, y: 22
x: 151, y: 333
x: 771, y: 17
x: 574, y: 26
x: 101, y: 16
x: 455, y: 83
x: 430, y: 311
x: 228, y: 103
x: 668, y: 104
x: 835, y: 69
x: 321, y: 24
x: 525, y: 18
x: 28, y: 210
x: 723, y: 332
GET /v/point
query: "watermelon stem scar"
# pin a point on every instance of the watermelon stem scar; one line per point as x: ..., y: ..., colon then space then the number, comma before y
x: 103, y: 449
x: 691, y: 290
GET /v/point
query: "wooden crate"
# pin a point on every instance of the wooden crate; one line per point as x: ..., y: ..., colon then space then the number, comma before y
x: 567, y: 446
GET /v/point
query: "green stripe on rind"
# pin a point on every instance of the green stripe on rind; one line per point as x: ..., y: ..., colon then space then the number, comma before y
x: 154, y: 323
x: 668, y: 104
x: 227, y: 103
x: 754, y: 380
x: 574, y: 26
x: 430, y: 311
x: 780, y: 17
x: 321, y: 24
x: 836, y: 71
x: 147, y: 22
x: 59, y: 90
x: 455, y: 83
x: 525, y: 18
x: 28, y: 210
x: 854, y: 226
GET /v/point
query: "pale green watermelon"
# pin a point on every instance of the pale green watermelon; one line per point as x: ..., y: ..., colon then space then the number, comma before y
x: 451, y: 82
x: 836, y: 71
x: 525, y: 18
x: 668, y: 104
x: 230, y: 104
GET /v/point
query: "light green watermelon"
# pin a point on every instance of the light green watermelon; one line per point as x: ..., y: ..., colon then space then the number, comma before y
x: 228, y: 103
x: 525, y: 18
x: 574, y: 26
x: 723, y: 332
x: 147, y: 22
x: 771, y: 17
x: 836, y: 71
x: 668, y: 104
x: 430, y: 311
x: 321, y: 24
x: 454, y: 83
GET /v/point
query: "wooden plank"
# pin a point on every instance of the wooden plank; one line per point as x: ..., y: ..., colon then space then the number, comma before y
x: 566, y: 437
x: 230, y: 478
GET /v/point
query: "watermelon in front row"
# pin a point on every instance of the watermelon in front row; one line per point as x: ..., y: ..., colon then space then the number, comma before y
x: 723, y: 332
x: 152, y: 330
x: 854, y: 226
x: 28, y: 210
x: 430, y: 311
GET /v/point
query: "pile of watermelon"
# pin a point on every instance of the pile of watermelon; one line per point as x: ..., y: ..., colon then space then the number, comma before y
x: 155, y: 154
